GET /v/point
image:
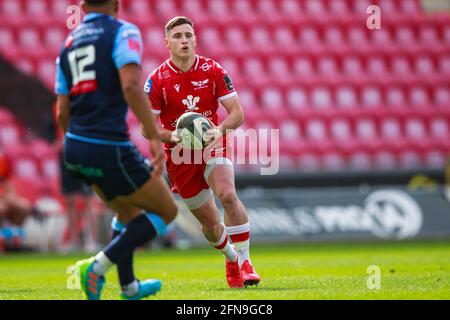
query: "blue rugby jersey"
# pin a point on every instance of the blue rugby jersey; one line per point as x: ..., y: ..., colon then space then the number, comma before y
x: 87, y: 71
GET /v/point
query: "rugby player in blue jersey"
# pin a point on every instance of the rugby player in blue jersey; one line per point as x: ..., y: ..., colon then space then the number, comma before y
x: 98, y: 77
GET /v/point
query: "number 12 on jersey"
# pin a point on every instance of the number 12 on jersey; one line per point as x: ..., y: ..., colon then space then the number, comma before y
x: 83, y: 81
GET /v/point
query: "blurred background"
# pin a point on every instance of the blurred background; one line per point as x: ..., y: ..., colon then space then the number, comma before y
x: 364, y: 116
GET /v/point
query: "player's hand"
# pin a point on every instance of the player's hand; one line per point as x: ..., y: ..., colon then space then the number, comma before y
x: 157, y: 153
x: 174, y: 137
x: 212, y: 134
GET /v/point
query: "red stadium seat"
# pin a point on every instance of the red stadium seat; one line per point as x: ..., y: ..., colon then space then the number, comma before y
x: 439, y: 128
x: 444, y: 64
x: 441, y: 96
x: 321, y: 97
x: 377, y: 67
x: 338, y: 8
x: 357, y: 37
x: 54, y: 36
x: 395, y: 96
x: 401, y: 66
x: 12, y: 12
x: 297, y: 99
x: 419, y: 96
x: 382, y: 38
x: 8, y: 44
x: 346, y: 96
x: 388, y: 7
x: 371, y: 96
x: 236, y: 41
x: 424, y: 65
x: 268, y: 12
x: 409, y: 6
x: 352, y: 66
x: 260, y: 40
x: 46, y: 72
x: 255, y: 72
x: 9, y: 134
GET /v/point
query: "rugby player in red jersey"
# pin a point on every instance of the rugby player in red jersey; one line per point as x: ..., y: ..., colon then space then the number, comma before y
x: 187, y: 82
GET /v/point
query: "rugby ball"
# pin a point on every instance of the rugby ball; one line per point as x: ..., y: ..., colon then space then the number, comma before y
x: 191, y: 128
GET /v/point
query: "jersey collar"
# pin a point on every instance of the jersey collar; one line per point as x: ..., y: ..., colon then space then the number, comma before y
x: 177, y: 70
x: 94, y: 15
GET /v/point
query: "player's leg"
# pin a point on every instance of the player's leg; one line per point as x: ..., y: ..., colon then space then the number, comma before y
x: 205, y: 210
x: 220, y: 176
x: 127, y: 185
x: 154, y: 196
x: 133, y: 229
x: 90, y: 244
x: 71, y: 189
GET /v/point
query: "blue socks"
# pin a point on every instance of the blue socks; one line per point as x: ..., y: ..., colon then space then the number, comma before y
x: 140, y: 230
x: 124, y: 267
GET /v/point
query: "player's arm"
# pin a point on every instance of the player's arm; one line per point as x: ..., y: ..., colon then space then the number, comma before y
x: 166, y: 135
x: 130, y: 76
x: 127, y: 52
x: 63, y: 100
x: 153, y: 93
x: 232, y: 121
x: 235, y: 116
x: 63, y: 111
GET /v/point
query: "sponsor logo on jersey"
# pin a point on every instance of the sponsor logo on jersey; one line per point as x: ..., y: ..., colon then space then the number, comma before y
x: 228, y: 82
x: 200, y: 84
x: 148, y: 85
x: 191, y: 102
x: 134, y: 45
x: 205, y: 67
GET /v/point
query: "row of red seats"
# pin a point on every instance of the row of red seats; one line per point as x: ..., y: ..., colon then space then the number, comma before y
x: 261, y: 34
x: 313, y: 7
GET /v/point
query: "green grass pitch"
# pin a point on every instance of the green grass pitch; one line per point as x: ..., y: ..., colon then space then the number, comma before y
x: 408, y: 270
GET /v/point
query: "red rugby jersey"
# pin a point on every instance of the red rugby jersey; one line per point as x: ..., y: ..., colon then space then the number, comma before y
x: 173, y: 92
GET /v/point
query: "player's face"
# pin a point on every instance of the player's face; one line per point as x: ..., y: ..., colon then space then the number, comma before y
x: 181, y: 41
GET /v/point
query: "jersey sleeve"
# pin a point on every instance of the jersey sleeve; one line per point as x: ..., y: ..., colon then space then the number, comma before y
x: 61, y: 86
x: 127, y: 46
x: 153, y: 91
x: 224, y: 85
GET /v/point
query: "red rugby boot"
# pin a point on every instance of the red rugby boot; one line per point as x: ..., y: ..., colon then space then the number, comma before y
x: 249, y: 275
x: 233, y: 274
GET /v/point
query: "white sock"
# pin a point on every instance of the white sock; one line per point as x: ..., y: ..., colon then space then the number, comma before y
x: 225, y: 247
x: 102, y: 264
x: 131, y: 289
x: 240, y: 236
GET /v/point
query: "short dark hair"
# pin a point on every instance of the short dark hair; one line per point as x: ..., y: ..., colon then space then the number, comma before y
x: 96, y: 3
x: 177, y: 21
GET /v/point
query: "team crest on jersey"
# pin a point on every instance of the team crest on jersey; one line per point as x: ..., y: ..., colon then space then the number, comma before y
x: 177, y: 87
x: 206, y: 66
x: 191, y: 102
x: 200, y: 84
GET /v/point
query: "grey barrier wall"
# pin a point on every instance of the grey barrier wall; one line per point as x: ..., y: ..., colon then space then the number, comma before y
x: 337, y: 214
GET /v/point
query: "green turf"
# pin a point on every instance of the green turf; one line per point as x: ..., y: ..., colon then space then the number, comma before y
x: 301, y: 271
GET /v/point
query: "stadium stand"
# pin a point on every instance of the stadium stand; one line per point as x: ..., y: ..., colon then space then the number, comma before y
x: 344, y: 96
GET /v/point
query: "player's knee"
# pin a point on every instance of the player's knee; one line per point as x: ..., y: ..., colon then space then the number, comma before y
x: 172, y: 212
x: 210, y: 224
x: 228, y: 198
